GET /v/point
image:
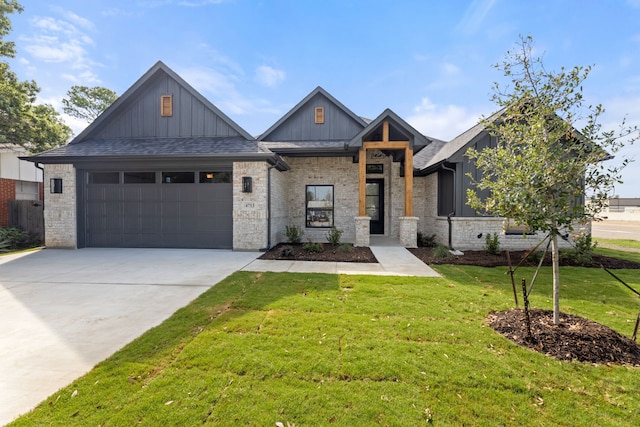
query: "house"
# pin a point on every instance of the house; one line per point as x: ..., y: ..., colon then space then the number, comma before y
x: 19, y: 179
x: 164, y: 167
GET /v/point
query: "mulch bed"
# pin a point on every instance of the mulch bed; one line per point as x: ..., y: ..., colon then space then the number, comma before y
x: 484, y: 259
x: 347, y: 253
x: 575, y: 338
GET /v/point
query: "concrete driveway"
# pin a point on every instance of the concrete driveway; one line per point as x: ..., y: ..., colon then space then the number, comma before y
x: 63, y: 311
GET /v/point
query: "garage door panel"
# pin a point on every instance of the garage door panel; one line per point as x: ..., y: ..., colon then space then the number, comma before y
x: 197, y: 215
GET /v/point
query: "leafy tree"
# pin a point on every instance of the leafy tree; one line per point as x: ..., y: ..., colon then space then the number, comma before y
x: 7, y: 48
x: 550, y: 152
x: 87, y: 103
x: 22, y: 122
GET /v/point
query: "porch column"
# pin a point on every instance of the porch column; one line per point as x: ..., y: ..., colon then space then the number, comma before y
x: 362, y: 181
x: 362, y: 231
x: 408, y: 181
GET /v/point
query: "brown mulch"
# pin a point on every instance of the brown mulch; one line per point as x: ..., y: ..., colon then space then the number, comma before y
x: 346, y: 253
x: 484, y: 259
x: 575, y: 338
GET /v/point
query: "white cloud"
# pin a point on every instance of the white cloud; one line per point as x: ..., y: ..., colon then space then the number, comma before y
x: 634, y: 3
x: 198, y: 3
x: 63, y: 41
x: 474, y: 16
x: 220, y: 88
x: 268, y: 76
x: 442, y: 121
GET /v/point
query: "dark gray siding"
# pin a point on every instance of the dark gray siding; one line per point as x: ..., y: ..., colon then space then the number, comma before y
x: 141, y: 117
x: 465, y: 169
x: 301, y: 125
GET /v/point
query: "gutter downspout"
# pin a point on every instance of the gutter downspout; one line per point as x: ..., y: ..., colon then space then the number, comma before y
x: 452, y: 213
x: 269, y: 206
x: 37, y: 165
x: 278, y: 162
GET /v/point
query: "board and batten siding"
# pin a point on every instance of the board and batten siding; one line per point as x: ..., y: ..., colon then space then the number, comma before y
x: 142, y: 119
x: 301, y: 126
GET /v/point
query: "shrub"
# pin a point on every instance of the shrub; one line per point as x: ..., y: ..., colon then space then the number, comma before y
x: 286, y: 252
x: 426, y: 241
x: 334, y: 235
x: 492, y: 243
x: 294, y: 234
x: 345, y: 247
x: 313, y: 247
x: 14, y: 238
x: 582, y: 254
x: 441, y: 251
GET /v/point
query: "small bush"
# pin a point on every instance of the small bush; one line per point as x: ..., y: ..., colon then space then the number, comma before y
x: 313, y: 247
x: 294, y: 234
x: 492, y: 243
x: 441, y: 251
x: 582, y: 254
x: 334, y: 235
x: 286, y: 252
x: 426, y: 241
x: 14, y: 238
x: 345, y: 247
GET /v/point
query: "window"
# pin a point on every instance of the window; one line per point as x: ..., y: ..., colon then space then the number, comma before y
x: 512, y: 229
x: 166, y: 105
x: 178, y: 177
x: 139, y: 177
x: 319, y: 115
x: 104, y: 177
x: 319, y: 205
x: 375, y: 168
x: 215, y: 177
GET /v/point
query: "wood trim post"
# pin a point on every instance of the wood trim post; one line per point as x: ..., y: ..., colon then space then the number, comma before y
x: 408, y: 181
x: 362, y: 181
x: 385, y: 131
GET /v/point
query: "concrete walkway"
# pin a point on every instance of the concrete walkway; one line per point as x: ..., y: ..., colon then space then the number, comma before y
x: 392, y: 261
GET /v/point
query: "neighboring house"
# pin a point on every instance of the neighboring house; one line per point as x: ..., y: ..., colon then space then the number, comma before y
x: 163, y: 167
x: 19, y: 179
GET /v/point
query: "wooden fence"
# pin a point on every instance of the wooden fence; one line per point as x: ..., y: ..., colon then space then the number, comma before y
x: 27, y: 215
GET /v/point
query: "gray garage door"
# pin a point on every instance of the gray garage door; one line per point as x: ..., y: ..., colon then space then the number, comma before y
x: 158, y: 209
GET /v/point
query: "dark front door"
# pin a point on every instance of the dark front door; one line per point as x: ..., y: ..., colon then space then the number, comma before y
x: 375, y: 205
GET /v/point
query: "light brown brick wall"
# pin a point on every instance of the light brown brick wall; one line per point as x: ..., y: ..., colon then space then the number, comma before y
x: 7, y: 192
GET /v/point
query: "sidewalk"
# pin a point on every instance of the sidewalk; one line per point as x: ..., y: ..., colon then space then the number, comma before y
x: 392, y: 261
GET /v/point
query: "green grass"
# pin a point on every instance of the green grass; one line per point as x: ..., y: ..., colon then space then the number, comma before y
x: 315, y: 349
x: 624, y: 243
x: 616, y: 253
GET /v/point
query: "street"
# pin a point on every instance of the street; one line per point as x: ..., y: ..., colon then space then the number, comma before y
x: 608, y: 229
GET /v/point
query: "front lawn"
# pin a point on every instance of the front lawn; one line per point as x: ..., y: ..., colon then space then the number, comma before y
x: 316, y: 349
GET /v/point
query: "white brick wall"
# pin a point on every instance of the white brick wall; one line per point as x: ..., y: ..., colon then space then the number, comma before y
x: 60, y: 223
x: 250, y: 209
x: 279, y: 205
x: 340, y: 172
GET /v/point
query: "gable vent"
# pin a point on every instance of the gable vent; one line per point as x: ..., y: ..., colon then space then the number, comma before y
x: 166, y: 105
x: 319, y: 115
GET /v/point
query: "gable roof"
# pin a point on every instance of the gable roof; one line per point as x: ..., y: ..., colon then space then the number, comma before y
x: 430, y: 159
x: 416, y: 139
x: 359, y: 122
x: 133, y: 93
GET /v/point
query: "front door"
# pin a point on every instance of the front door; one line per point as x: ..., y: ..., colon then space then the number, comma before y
x: 375, y: 205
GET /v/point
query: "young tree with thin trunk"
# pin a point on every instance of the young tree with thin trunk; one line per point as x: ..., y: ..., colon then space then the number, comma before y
x: 550, y: 152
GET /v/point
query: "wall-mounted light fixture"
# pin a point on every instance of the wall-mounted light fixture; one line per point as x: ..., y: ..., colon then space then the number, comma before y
x: 55, y: 185
x: 246, y: 184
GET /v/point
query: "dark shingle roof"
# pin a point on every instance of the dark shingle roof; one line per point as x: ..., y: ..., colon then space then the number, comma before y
x: 432, y: 156
x: 96, y: 149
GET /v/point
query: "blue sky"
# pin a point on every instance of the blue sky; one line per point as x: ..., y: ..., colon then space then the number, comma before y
x: 429, y: 61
